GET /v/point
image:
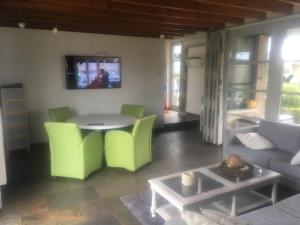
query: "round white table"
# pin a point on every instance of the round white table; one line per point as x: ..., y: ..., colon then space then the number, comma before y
x: 102, y: 121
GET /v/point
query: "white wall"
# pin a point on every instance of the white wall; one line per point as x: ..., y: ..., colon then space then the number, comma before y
x: 195, y: 78
x: 195, y: 72
x: 36, y: 58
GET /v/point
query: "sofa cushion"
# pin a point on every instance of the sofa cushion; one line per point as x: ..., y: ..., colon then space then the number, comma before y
x: 254, y: 141
x: 261, y: 157
x: 283, y: 166
x: 290, y: 205
x: 270, y: 216
x: 283, y: 136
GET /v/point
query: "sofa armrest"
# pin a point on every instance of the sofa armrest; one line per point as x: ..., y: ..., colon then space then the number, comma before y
x: 229, y: 135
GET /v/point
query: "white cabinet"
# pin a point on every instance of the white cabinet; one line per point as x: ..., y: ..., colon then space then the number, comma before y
x: 15, y: 119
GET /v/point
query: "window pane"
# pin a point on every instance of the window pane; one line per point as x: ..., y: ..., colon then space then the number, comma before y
x: 176, y: 52
x: 243, y: 49
x: 242, y: 56
x: 175, y: 98
x: 290, y: 108
x: 264, y: 47
x: 253, y: 108
x: 237, y: 97
x: 176, y: 68
x: 291, y: 47
x: 240, y: 74
x: 175, y: 83
x: 291, y: 77
x: 262, y: 76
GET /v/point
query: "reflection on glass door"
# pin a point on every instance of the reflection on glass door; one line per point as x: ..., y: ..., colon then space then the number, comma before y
x: 247, y: 80
x: 175, y: 76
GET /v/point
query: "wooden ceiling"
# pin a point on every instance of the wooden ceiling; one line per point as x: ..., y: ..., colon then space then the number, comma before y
x: 149, y: 18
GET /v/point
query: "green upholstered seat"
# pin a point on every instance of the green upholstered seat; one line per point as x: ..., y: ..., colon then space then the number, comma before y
x: 136, y: 111
x: 61, y: 114
x: 130, y: 150
x: 72, y: 155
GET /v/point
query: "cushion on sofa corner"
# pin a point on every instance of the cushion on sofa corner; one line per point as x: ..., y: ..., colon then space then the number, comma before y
x: 255, y: 141
x: 283, y: 136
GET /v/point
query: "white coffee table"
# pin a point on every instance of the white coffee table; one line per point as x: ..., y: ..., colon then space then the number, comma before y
x: 210, y: 186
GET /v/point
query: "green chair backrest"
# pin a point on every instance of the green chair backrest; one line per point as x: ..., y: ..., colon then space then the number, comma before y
x: 136, y: 111
x: 61, y: 114
x: 142, y: 129
x: 63, y: 136
x: 142, y: 135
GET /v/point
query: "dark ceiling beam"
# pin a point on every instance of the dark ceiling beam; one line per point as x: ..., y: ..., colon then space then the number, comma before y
x: 173, y: 13
x: 91, y: 30
x: 186, y: 5
x: 261, y: 5
x: 195, y: 6
x: 91, y: 12
x: 26, y: 15
x: 118, y: 24
x: 66, y: 26
x: 117, y: 6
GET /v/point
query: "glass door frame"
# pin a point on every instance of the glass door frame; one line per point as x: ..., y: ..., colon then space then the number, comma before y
x: 231, y: 37
x: 171, y: 69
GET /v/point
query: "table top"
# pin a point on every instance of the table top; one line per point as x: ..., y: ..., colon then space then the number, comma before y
x: 208, y: 184
x: 102, y: 121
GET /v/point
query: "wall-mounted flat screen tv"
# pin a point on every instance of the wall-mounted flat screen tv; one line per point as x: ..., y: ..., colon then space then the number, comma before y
x: 93, y: 72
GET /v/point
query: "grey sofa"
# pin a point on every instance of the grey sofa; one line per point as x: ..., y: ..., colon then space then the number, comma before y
x: 286, y: 212
x: 285, y: 137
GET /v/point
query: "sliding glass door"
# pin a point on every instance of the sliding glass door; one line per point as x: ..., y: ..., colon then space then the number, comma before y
x: 247, y: 79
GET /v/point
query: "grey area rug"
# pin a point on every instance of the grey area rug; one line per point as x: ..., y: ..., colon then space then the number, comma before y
x: 139, y: 205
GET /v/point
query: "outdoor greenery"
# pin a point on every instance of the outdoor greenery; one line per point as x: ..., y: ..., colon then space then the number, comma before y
x: 291, y: 103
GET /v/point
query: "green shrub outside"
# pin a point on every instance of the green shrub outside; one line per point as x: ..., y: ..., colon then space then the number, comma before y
x: 291, y: 103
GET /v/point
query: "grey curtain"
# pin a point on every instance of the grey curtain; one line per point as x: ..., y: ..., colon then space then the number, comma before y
x: 211, y: 116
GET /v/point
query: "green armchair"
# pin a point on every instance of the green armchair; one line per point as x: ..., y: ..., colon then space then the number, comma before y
x: 130, y: 150
x: 136, y: 111
x: 61, y: 114
x: 71, y: 155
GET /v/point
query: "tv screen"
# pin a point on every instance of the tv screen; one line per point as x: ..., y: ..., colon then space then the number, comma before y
x: 93, y: 72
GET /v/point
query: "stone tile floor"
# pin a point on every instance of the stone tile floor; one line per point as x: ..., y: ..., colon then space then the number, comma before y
x: 33, y: 197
